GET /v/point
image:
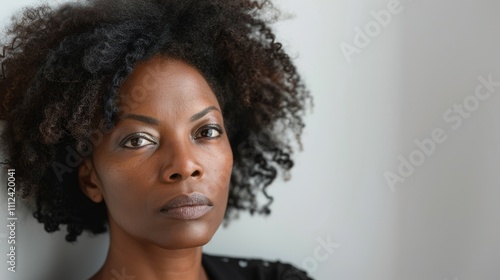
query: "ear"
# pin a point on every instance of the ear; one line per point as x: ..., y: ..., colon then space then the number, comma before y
x: 89, y: 182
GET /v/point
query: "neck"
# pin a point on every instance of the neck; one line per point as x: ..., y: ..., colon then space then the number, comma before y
x: 129, y: 258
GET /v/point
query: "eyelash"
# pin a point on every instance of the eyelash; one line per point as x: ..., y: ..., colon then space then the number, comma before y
x: 144, y: 136
x: 209, y: 127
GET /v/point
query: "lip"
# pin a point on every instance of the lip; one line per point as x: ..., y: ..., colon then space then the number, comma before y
x: 187, y: 206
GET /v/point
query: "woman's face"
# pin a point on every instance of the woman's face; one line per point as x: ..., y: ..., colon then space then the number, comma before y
x: 164, y: 170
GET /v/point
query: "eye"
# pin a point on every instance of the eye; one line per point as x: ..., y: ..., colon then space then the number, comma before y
x: 138, y: 140
x: 210, y: 132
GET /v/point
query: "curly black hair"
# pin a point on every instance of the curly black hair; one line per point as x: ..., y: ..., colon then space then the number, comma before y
x: 62, y: 67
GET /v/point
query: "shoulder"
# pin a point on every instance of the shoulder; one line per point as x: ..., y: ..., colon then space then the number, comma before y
x: 222, y: 267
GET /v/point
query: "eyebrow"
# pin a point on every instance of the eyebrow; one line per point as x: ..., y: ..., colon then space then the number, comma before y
x: 153, y: 121
x: 205, y: 111
x: 143, y: 119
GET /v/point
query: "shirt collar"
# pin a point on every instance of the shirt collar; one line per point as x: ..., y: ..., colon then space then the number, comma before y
x: 217, y: 269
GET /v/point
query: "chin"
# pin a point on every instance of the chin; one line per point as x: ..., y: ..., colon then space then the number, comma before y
x: 183, y: 235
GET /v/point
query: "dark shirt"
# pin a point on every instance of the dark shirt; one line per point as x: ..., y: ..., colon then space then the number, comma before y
x: 226, y: 268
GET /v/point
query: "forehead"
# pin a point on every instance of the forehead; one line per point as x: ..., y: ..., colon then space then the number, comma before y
x: 162, y: 81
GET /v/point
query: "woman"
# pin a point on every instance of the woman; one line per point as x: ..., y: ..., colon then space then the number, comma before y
x: 156, y: 120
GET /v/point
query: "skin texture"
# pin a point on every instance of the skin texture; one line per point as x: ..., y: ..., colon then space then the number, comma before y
x: 62, y: 67
x: 181, y: 149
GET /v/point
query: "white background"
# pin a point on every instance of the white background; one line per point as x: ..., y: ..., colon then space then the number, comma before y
x: 442, y: 222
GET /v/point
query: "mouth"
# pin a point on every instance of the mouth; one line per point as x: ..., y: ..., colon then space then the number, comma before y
x: 187, y: 206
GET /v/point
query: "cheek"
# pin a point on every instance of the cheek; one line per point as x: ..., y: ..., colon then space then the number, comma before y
x: 219, y: 172
x: 122, y: 187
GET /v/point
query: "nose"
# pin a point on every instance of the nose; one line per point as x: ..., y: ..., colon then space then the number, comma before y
x: 181, y: 163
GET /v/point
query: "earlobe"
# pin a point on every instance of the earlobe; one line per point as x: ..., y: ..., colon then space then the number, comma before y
x: 89, y: 182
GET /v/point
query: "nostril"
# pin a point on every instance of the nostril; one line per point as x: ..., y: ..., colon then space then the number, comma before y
x: 179, y: 177
x: 175, y: 176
